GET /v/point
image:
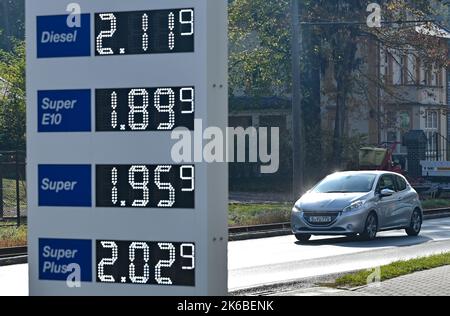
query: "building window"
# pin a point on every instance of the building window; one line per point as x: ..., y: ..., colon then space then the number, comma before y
x: 411, y: 69
x: 438, y: 75
x: 405, y: 122
x: 398, y: 69
x: 431, y: 120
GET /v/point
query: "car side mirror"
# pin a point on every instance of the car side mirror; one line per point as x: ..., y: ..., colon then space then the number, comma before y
x: 386, y: 193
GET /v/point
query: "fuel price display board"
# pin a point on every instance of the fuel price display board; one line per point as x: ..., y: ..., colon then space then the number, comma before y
x: 145, y: 32
x: 112, y: 209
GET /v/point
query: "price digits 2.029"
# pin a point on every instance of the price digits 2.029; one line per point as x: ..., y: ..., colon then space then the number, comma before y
x: 144, y: 32
x: 157, y: 263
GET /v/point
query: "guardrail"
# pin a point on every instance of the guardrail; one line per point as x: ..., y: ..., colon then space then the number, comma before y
x: 283, y: 229
x: 13, y: 252
x: 14, y: 255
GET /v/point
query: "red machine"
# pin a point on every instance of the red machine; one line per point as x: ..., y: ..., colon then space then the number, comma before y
x: 379, y: 158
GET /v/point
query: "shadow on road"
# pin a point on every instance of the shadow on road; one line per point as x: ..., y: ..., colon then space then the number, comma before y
x: 382, y: 241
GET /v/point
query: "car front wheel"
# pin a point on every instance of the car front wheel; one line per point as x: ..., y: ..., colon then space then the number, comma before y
x: 371, y: 228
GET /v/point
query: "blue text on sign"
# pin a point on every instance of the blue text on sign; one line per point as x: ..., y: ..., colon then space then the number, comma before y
x: 65, y: 185
x: 57, y: 39
x: 57, y: 256
x: 64, y: 111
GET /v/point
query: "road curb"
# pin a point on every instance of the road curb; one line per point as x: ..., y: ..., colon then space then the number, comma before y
x: 436, y: 216
x: 277, y: 288
x: 259, y: 235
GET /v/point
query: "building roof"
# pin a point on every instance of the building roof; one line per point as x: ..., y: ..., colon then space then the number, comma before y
x: 243, y: 103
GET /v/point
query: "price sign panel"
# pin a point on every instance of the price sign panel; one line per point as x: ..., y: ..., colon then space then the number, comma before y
x: 110, y: 210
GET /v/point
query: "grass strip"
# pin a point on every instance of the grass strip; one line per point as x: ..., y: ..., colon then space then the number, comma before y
x: 394, y: 270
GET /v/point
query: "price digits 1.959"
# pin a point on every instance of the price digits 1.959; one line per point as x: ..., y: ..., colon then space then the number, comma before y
x: 143, y: 186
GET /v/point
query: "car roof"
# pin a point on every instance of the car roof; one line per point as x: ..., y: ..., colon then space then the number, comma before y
x: 371, y: 172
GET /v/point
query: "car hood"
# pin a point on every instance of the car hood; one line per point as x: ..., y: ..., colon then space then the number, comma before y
x: 329, y: 201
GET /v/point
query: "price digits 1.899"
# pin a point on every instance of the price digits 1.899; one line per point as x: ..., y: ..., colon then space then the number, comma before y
x: 144, y: 109
x: 145, y: 186
x: 144, y: 32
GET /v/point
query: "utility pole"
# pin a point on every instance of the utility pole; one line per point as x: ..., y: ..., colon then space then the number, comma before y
x: 6, y: 25
x: 297, y: 113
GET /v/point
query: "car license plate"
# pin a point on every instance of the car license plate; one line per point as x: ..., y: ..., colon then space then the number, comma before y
x: 320, y: 219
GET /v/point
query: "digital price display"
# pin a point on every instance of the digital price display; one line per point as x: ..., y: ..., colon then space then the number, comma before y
x: 145, y: 223
x: 152, y: 263
x: 145, y: 109
x: 144, y: 32
x: 145, y: 186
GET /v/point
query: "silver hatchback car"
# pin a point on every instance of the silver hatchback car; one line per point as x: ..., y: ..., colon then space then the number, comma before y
x: 358, y: 203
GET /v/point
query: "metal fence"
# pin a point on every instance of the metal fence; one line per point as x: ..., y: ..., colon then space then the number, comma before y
x: 13, y: 193
x: 438, y: 147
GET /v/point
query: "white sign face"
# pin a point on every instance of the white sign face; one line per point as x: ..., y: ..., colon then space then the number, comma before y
x: 107, y: 83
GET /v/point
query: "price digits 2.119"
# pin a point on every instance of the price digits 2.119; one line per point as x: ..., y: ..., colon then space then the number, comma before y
x: 144, y: 32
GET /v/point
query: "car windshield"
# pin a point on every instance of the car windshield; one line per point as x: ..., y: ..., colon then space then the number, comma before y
x: 345, y: 183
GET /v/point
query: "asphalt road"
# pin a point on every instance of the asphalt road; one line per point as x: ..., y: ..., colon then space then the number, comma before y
x: 253, y: 263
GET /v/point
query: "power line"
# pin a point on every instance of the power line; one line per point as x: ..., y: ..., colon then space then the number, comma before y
x: 333, y: 23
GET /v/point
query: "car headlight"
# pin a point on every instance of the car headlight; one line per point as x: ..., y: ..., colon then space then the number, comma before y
x: 297, y: 209
x: 354, y: 206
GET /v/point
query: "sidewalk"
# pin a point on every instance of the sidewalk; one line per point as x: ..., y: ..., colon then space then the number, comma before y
x: 434, y: 282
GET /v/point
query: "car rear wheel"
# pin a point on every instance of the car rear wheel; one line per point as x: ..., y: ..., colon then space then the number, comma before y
x: 371, y: 228
x: 303, y: 237
x: 416, y: 224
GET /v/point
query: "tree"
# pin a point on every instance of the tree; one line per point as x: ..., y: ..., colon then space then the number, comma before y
x: 12, y: 17
x: 259, y: 35
x: 260, y: 57
x: 260, y: 63
x: 12, y: 100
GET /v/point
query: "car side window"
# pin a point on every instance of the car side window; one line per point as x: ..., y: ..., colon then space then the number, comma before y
x: 386, y: 182
x: 401, y: 184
